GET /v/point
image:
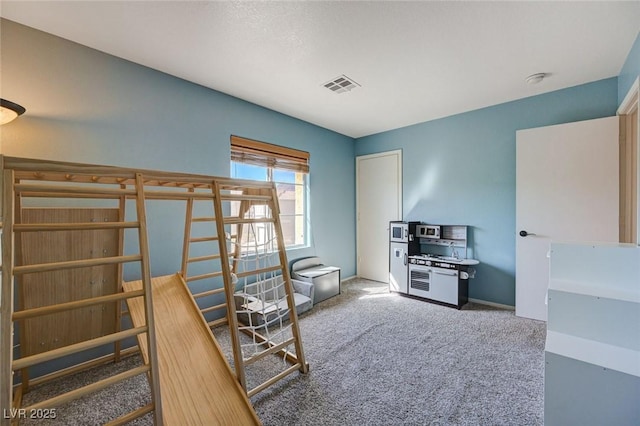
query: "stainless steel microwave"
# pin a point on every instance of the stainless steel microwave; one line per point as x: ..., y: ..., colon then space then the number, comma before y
x: 428, y: 231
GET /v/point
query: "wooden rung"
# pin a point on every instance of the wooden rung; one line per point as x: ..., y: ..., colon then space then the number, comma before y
x: 241, y: 221
x: 259, y: 271
x: 86, y: 390
x: 270, y: 350
x: 76, y: 347
x: 237, y: 183
x: 243, y: 197
x: 32, y: 227
x: 274, y: 379
x: 84, y: 263
x: 62, y: 190
x: 131, y: 416
x: 178, y: 195
x: 217, y: 323
x: 66, y: 195
x: 203, y: 219
x: 133, y: 350
x: 203, y: 276
x: 51, y: 309
x: 213, y: 308
x: 208, y: 293
x: 203, y: 258
x: 203, y: 239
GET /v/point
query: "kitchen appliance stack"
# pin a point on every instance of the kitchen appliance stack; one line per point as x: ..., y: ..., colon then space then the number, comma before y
x: 402, y: 244
x: 420, y: 266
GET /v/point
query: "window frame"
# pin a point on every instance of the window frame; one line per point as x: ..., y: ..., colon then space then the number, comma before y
x: 276, y: 158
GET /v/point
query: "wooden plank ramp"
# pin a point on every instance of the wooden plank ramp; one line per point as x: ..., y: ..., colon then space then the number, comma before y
x: 196, y: 382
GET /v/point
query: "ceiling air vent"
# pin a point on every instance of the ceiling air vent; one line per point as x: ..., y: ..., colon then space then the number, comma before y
x: 341, y: 84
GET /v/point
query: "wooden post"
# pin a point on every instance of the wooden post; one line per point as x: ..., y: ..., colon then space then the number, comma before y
x: 229, y: 286
x: 187, y: 236
x: 293, y: 315
x: 117, y: 346
x: 154, y: 377
x: 19, y: 288
x: 6, y: 307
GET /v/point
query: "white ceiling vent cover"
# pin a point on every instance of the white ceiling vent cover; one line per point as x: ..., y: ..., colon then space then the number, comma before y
x: 341, y: 84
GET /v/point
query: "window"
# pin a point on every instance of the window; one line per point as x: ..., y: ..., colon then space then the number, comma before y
x: 286, y: 167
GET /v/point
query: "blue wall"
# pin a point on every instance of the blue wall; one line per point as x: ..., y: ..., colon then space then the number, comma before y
x: 630, y: 70
x: 461, y: 170
x: 87, y: 106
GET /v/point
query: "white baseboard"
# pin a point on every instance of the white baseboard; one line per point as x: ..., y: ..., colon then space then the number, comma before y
x: 348, y: 278
x: 495, y: 305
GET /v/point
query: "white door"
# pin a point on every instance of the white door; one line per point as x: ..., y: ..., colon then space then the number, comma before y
x: 566, y: 190
x: 378, y: 201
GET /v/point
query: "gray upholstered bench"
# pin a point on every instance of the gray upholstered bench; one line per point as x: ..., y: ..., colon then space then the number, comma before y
x: 265, y: 301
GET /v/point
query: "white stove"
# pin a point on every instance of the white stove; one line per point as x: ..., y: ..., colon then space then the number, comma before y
x: 434, y: 277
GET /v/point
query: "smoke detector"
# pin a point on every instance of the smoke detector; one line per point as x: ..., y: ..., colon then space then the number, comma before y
x: 536, y: 78
x: 341, y: 84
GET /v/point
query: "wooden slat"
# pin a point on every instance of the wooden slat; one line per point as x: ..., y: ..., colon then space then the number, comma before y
x: 274, y: 379
x: 218, y: 322
x: 37, y: 227
x: 213, y: 308
x: 203, y: 258
x: 149, y: 194
x: 83, y: 366
x: 131, y: 416
x: 244, y: 197
x: 204, y: 219
x: 59, y: 189
x: 261, y: 271
x: 202, y: 239
x: 241, y: 221
x: 208, y: 293
x: 271, y: 349
x: 86, y: 390
x: 32, y: 194
x: 198, y: 383
x: 77, y: 347
x: 51, y: 309
x: 85, y: 263
x: 203, y: 276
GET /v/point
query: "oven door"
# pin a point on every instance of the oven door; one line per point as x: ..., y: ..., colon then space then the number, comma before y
x: 444, y: 285
x: 420, y: 280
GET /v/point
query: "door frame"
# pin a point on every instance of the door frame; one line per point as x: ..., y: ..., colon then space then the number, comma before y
x: 630, y: 184
x: 398, y: 154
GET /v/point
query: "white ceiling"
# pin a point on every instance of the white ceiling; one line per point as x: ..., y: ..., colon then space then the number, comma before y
x: 415, y: 61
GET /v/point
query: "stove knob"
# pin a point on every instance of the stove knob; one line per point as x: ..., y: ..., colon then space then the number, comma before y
x: 428, y: 263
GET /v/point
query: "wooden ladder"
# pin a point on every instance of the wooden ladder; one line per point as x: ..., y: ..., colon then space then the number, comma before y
x: 249, y: 193
x: 14, y: 190
x: 213, y: 259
